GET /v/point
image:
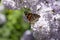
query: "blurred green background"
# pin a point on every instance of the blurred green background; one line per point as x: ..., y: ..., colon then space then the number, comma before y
x: 15, y: 25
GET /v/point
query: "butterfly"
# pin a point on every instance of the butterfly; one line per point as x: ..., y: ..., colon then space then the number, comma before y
x: 32, y: 18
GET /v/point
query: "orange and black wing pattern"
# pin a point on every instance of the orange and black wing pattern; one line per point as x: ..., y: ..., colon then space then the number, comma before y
x: 31, y: 17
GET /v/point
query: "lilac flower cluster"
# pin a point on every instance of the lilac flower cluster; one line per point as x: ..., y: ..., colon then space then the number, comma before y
x: 12, y: 4
x: 48, y: 25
